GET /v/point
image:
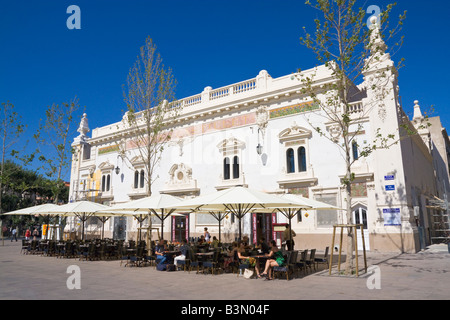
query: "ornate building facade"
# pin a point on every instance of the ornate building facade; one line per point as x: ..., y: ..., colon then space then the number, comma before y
x: 262, y: 134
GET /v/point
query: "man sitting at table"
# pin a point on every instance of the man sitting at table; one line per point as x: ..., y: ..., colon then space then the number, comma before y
x: 263, y: 246
x: 160, y: 252
x: 184, y: 252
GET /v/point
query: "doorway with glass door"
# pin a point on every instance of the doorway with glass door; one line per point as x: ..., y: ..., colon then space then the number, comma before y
x: 180, y: 228
x: 360, y: 217
x: 120, y: 228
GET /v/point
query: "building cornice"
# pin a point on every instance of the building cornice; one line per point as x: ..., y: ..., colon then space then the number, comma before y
x: 235, y: 98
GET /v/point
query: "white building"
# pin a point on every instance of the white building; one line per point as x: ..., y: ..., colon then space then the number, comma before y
x: 259, y: 133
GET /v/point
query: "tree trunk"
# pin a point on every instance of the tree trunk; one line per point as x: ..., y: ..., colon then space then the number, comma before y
x: 348, y: 197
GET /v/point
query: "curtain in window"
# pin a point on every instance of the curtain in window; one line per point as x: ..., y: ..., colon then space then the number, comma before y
x: 290, y: 162
x: 355, y: 150
x: 142, y: 179
x: 235, y: 167
x: 226, y: 168
x: 136, y: 179
x: 301, y: 159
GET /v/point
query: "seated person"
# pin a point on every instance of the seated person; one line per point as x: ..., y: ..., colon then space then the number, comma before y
x: 241, y: 251
x: 201, y: 240
x: 276, y: 259
x: 242, y: 254
x: 160, y: 250
x: 184, y: 249
x: 246, y: 242
x: 215, y: 242
x: 263, y: 246
x: 230, y: 257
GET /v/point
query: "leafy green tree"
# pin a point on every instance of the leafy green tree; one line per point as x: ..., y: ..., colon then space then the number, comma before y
x: 149, y: 88
x: 25, y: 188
x: 53, y: 138
x: 350, y: 48
x: 11, y: 129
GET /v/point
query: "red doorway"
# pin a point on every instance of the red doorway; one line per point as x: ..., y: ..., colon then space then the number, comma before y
x: 262, y: 226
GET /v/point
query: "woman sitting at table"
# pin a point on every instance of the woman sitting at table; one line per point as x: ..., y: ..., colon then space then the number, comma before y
x: 230, y: 256
x: 160, y: 252
x: 236, y: 254
x: 276, y: 259
x: 241, y: 250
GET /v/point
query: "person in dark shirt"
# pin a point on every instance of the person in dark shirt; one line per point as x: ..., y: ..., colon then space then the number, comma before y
x: 161, y: 248
x: 263, y: 246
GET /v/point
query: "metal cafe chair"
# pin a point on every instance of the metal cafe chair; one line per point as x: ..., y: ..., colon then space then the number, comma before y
x: 291, y: 259
x: 194, y: 262
x: 301, y: 265
x: 324, y: 259
x: 310, y: 263
x: 213, y: 263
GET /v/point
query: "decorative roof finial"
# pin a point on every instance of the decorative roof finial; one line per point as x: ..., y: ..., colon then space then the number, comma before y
x: 377, y: 44
x: 84, y: 126
x: 417, y: 112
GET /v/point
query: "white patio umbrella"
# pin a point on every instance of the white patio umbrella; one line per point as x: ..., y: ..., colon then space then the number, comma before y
x: 42, y: 210
x: 83, y: 210
x: 159, y: 205
x: 34, y: 210
x: 239, y: 201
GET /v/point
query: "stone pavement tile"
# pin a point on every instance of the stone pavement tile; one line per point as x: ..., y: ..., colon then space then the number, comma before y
x: 32, y: 277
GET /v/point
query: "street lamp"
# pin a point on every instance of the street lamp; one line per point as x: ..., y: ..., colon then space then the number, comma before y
x: 117, y: 169
x: 259, y: 149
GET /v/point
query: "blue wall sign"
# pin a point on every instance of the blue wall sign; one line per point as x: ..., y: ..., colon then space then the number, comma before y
x: 390, y: 188
x: 392, y: 217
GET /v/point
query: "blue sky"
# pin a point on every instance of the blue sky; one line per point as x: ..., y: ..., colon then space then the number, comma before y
x: 206, y: 43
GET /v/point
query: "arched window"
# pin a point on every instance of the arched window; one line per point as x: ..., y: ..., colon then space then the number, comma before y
x: 108, y: 182
x: 141, y: 185
x: 226, y: 168
x: 136, y: 179
x: 235, y: 167
x: 301, y: 153
x: 355, y: 150
x: 290, y: 161
x: 103, y: 183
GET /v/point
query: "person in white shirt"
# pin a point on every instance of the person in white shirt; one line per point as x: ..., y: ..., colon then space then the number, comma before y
x: 207, y: 235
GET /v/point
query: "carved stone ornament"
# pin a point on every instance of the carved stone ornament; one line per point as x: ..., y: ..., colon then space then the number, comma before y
x: 335, y: 132
x: 377, y: 85
x: 180, y: 174
x: 91, y: 169
x: 83, y: 129
x: 231, y: 145
x: 106, y: 165
x: 262, y: 119
x: 294, y: 132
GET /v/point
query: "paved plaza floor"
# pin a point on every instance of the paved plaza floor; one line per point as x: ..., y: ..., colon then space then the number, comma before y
x: 424, y: 276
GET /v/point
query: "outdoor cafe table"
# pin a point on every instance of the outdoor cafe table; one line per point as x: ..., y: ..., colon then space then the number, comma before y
x: 171, y: 253
x: 260, y: 259
x: 204, y: 255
